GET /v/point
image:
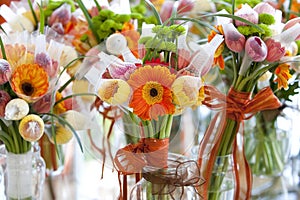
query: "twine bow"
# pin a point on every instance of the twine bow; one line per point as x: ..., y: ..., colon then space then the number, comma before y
x: 237, y: 106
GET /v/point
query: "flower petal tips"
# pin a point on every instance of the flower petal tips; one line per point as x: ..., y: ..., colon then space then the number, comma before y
x: 246, y: 12
x: 16, y: 109
x: 234, y: 40
x: 275, y: 50
x: 31, y: 128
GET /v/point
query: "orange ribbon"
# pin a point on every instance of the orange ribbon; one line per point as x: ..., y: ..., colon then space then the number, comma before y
x: 237, y: 106
x: 148, y: 151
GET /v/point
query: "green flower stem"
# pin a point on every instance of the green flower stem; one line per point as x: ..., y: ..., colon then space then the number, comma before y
x: 169, y: 126
x: 16, y: 148
x: 6, y: 139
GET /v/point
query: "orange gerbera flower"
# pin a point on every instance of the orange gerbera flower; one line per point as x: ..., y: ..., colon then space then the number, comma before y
x: 283, y: 75
x: 218, y: 58
x: 29, y: 81
x: 152, y: 96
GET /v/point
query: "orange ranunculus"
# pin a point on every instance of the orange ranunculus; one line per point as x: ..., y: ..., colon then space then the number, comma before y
x: 152, y: 95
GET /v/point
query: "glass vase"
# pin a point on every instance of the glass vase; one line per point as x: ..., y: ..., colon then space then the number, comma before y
x: 177, y: 181
x: 22, y: 175
x: 222, y: 180
x: 267, y: 153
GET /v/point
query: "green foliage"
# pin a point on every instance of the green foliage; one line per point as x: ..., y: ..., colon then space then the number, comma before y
x: 267, y: 31
x: 285, y: 95
x: 265, y: 18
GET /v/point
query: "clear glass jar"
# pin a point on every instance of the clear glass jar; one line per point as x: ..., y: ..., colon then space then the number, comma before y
x: 178, y: 181
x: 267, y: 149
x: 222, y: 180
x: 16, y: 170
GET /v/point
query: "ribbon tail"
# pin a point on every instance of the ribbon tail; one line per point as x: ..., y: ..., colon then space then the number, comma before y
x: 243, y: 176
x: 207, y: 157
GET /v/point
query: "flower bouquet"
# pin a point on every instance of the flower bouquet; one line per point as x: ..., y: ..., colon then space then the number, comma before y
x: 256, y: 41
x: 152, y: 87
x: 31, y: 104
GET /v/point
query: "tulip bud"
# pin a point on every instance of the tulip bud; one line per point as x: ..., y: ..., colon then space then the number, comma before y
x: 246, y: 12
x: 5, y: 71
x: 166, y: 10
x: 4, y: 99
x: 264, y: 7
x: 275, y: 51
x: 255, y: 51
x: 234, y: 40
x: 62, y: 15
x: 185, y: 6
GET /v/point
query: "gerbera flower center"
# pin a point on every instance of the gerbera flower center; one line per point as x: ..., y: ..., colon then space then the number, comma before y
x: 27, y: 88
x: 153, y: 92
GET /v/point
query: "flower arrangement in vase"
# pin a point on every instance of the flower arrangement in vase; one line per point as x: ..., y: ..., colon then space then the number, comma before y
x: 256, y: 42
x: 32, y: 104
x: 150, y: 87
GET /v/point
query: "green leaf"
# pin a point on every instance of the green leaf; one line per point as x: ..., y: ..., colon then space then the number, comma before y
x: 88, y: 19
x: 155, y: 12
x: 2, y: 49
x: 33, y: 12
x: 64, y: 122
x: 291, y: 91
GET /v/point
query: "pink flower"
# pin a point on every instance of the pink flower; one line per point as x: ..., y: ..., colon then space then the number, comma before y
x: 61, y: 14
x: 58, y: 27
x: 275, y: 50
x: 234, y: 40
x: 42, y: 105
x: 121, y: 70
x: 5, y: 71
x: 292, y: 23
x: 185, y: 6
x: 50, y: 66
x: 256, y: 49
x: 166, y: 10
x: 246, y: 12
x: 264, y: 7
x: 4, y: 99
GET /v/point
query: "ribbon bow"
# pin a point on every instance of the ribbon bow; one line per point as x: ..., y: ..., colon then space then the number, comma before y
x: 236, y: 106
x: 148, y: 151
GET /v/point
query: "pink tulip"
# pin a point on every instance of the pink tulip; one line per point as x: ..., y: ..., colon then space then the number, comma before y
x: 264, y: 7
x: 234, y: 40
x: 166, y: 10
x: 246, y: 12
x: 5, y: 71
x: 43, y: 105
x: 275, y: 50
x: 50, y: 66
x: 255, y: 51
x: 291, y: 23
x: 61, y: 14
x: 4, y: 99
x: 185, y: 6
